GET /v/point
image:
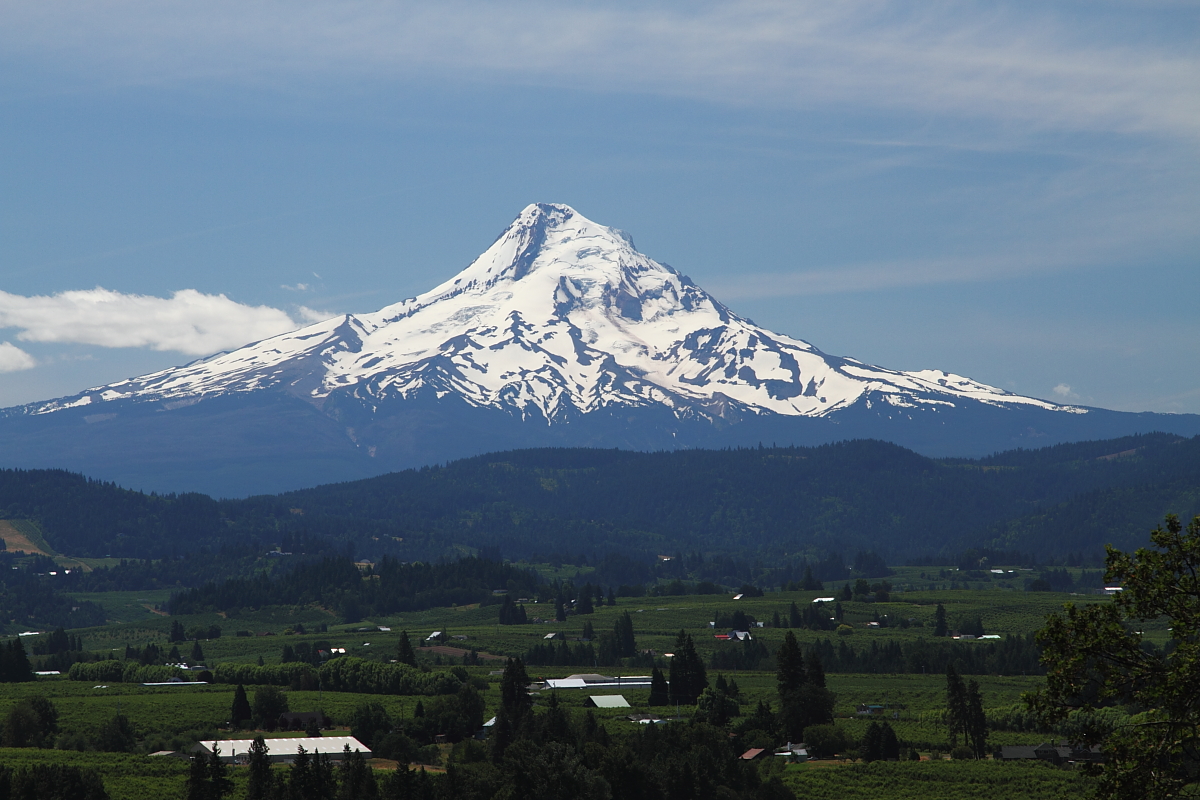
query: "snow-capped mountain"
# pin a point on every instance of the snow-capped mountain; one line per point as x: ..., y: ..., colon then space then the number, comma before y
x: 561, y: 316
x: 560, y: 334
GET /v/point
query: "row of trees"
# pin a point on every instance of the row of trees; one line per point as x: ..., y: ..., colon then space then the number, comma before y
x: 51, y: 781
x: 393, y: 587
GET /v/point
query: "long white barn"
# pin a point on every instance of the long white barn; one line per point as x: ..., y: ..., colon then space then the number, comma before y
x: 282, y: 750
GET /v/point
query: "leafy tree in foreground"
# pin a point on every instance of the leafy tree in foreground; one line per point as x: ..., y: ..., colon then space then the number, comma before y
x: 1096, y: 656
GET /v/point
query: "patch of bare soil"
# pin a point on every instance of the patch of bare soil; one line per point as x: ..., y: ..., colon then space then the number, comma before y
x: 15, y: 540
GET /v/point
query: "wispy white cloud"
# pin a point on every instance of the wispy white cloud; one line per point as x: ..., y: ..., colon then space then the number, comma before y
x: 878, y: 276
x: 14, y: 359
x: 310, y: 315
x: 1063, y: 392
x: 188, y: 321
x: 1051, y: 66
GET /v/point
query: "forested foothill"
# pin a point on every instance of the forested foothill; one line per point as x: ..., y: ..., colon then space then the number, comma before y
x: 874, y: 652
x: 747, y: 503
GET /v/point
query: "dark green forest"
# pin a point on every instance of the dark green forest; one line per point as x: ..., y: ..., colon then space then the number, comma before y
x: 750, y: 503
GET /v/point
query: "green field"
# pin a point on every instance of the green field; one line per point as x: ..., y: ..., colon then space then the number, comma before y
x: 172, y: 718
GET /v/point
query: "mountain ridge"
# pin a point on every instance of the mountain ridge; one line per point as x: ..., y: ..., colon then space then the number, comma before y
x: 560, y: 334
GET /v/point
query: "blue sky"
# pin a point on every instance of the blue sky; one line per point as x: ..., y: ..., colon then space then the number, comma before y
x: 1010, y: 192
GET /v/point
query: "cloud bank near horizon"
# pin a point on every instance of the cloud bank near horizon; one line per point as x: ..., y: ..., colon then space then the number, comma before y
x: 188, y: 321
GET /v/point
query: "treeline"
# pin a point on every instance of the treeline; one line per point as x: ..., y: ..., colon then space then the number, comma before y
x: 388, y: 587
x: 51, y: 781
x: 114, y: 671
x: 1012, y: 655
x: 189, y: 569
x: 821, y: 501
x: 343, y: 674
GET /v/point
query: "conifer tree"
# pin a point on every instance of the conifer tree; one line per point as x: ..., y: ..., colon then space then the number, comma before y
x: 871, y: 747
x: 889, y: 745
x: 583, y: 603
x: 241, y: 707
x: 196, y: 786
x: 976, y: 721
x: 939, y: 621
x: 688, y: 675
x: 623, y: 629
x: 659, y: 696
x: 790, y: 673
x: 404, y: 650
x: 515, y: 703
x: 356, y: 779
x: 219, y: 782
x: 957, y: 708
x: 260, y: 778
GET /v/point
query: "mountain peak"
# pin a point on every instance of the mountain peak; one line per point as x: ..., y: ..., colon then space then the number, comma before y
x: 561, y: 316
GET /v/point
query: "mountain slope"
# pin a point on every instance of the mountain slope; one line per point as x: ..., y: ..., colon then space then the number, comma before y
x: 561, y: 333
x: 746, y: 503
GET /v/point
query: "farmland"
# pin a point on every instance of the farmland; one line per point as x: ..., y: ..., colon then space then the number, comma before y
x: 166, y: 718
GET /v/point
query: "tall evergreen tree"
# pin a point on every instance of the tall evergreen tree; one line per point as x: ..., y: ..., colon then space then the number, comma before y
x: 976, y: 721
x: 404, y: 650
x: 260, y: 779
x: 300, y: 775
x: 241, y: 711
x: 583, y: 603
x: 356, y: 780
x: 197, y: 653
x: 659, y: 695
x: 688, y: 676
x: 889, y: 745
x: 814, y: 670
x: 790, y: 673
x: 196, y: 787
x: 515, y: 703
x: 939, y: 621
x: 957, y: 705
x: 871, y: 746
x: 623, y: 628
x: 219, y: 782
x: 811, y: 584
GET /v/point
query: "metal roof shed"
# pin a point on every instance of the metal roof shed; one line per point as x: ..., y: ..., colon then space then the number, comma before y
x: 608, y: 701
x: 283, y: 750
